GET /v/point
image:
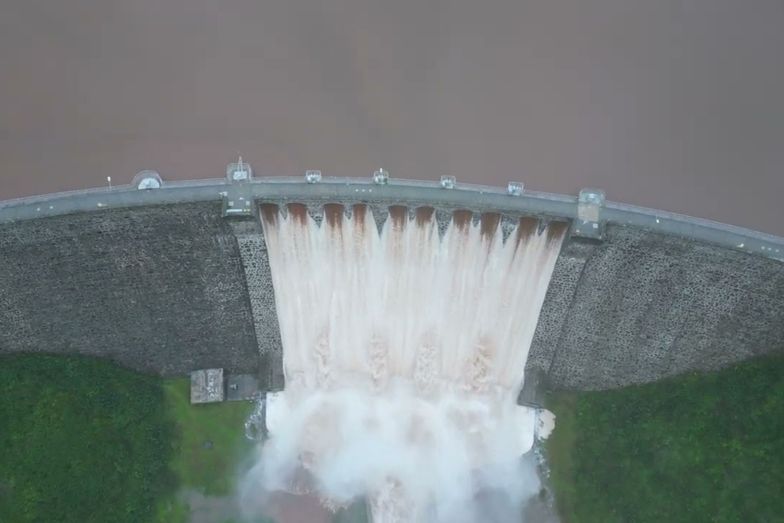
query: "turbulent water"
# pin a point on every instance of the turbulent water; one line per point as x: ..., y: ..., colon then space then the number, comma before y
x: 403, y: 353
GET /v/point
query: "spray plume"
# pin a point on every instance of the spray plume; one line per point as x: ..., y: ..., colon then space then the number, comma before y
x: 403, y: 353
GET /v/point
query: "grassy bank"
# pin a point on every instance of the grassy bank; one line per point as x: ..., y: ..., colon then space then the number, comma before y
x: 208, y: 447
x: 83, y: 440
x: 704, y: 447
x: 209, y: 443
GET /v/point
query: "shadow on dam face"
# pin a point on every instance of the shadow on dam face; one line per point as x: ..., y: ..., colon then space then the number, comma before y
x: 404, y: 353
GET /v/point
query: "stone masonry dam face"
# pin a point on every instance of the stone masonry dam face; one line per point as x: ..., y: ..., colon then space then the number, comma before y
x: 168, y: 281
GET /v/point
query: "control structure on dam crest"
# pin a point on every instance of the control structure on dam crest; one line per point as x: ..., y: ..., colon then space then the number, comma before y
x: 175, y: 277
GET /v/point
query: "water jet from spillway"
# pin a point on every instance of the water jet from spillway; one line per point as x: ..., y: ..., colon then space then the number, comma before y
x: 403, y: 352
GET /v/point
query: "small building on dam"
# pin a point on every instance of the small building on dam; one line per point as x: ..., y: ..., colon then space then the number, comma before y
x: 172, y: 277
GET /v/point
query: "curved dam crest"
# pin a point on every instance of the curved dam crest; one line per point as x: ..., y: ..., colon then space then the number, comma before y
x: 167, y: 281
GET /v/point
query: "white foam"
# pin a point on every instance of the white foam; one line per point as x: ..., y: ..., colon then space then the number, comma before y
x: 403, y: 355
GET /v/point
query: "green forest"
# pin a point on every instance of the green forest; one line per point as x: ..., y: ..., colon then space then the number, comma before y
x: 83, y: 440
x: 699, y: 447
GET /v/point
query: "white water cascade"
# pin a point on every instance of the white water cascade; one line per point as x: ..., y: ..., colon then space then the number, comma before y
x: 403, y: 355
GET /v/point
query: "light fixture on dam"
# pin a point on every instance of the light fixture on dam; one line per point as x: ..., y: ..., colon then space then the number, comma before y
x: 313, y: 176
x: 448, y: 182
x: 515, y: 188
x: 147, y: 180
x: 239, y: 171
x: 381, y: 177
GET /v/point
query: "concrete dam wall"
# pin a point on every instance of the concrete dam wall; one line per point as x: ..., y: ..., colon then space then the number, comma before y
x: 173, y: 279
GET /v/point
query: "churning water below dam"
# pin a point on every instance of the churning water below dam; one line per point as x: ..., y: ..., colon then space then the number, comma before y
x: 404, y: 351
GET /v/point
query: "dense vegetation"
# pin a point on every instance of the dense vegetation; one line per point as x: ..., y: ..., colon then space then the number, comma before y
x: 81, y: 440
x: 84, y: 440
x: 702, y: 447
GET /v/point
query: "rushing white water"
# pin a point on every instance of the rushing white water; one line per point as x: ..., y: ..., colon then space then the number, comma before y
x: 403, y: 354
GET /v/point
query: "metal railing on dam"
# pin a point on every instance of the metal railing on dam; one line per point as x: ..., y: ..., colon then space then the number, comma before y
x: 171, y: 279
x: 411, y: 192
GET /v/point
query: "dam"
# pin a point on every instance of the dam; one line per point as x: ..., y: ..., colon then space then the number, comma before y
x: 401, y: 330
x: 177, y: 277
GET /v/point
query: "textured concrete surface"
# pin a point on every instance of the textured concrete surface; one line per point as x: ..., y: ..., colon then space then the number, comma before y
x: 261, y: 296
x: 207, y: 386
x: 158, y: 289
x: 558, y: 301
x: 242, y: 387
x: 641, y: 306
x: 176, y: 287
